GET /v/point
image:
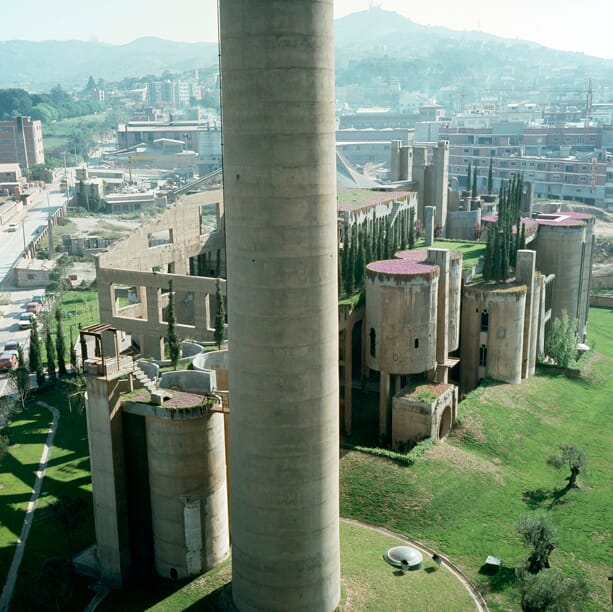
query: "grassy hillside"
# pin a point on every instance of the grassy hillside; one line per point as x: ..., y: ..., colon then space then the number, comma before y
x: 465, y: 496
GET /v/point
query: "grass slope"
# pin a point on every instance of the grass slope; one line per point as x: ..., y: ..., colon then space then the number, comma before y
x: 464, y: 497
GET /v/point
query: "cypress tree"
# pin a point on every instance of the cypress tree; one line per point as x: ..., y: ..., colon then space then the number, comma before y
x: 73, y: 353
x: 490, y: 178
x: 387, y: 240
x: 345, y: 259
x: 360, y: 264
x: 468, y: 179
x: 350, y: 278
x: 60, y: 343
x: 474, y: 190
x: 50, y: 352
x: 368, y: 257
x: 339, y: 263
x: 412, y: 229
x: 220, y: 317
x: 174, y: 345
x: 34, y: 356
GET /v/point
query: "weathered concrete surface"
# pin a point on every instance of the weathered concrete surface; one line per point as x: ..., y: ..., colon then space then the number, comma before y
x: 277, y: 63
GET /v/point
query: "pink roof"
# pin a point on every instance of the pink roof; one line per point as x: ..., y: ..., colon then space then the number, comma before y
x: 401, y: 267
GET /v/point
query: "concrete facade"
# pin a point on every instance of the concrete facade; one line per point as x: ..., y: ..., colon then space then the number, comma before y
x: 425, y: 411
x: 280, y: 195
x: 173, y: 247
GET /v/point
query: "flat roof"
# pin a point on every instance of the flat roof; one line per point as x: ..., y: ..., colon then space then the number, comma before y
x: 353, y: 199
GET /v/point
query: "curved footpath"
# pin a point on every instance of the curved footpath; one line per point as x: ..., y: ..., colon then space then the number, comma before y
x: 470, y: 587
x: 11, y: 578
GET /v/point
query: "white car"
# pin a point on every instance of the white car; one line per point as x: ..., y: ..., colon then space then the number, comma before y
x: 12, y: 227
x: 25, y: 320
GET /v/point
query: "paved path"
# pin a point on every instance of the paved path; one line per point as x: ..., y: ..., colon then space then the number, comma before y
x: 445, y: 562
x: 11, y: 578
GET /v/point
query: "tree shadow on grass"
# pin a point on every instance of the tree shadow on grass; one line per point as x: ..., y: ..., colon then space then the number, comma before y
x: 499, y: 579
x: 557, y: 496
x: 536, y: 498
x: 220, y: 600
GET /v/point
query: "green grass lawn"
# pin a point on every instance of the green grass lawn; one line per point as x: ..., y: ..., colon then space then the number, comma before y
x: 465, y: 496
x: 67, y: 474
x: 471, y: 251
x: 368, y: 583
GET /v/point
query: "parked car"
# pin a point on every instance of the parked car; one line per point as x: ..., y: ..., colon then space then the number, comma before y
x: 12, y: 227
x: 34, y: 307
x: 25, y: 320
x: 12, y: 345
x: 7, y: 362
x: 40, y: 298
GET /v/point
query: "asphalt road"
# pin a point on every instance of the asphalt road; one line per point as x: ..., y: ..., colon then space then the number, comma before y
x: 32, y: 220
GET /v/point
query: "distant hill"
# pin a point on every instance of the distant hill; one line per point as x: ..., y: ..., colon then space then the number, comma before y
x: 38, y: 66
x: 371, y: 46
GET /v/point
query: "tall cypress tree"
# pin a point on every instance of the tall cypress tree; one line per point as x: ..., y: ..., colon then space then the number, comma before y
x: 412, y: 229
x: 50, y: 352
x: 474, y: 189
x: 469, y: 177
x: 60, y: 342
x: 174, y: 345
x: 34, y: 357
x: 220, y: 317
x: 490, y: 178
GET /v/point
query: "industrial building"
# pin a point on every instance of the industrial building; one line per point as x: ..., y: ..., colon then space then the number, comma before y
x: 159, y: 445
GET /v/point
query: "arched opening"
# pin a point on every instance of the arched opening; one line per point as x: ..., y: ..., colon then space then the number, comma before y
x: 445, y: 425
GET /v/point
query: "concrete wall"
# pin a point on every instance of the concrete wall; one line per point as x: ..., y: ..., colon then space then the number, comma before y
x: 187, y: 479
x: 189, y: 380
x: 461, y: 224
x: 277, y: 64
x: 503, y: 338
x: 415, y: 419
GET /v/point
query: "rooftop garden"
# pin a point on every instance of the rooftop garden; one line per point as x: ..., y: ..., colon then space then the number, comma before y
x: 178, y: 399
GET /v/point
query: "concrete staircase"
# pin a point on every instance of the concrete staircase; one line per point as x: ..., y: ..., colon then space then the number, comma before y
x: 144, y: 380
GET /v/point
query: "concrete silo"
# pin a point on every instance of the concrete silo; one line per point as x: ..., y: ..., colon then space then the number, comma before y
x: 401, y: 312
x: 492, y: 333
x: 561, y: 246
x: 277, y: 67
x: 187, y: 480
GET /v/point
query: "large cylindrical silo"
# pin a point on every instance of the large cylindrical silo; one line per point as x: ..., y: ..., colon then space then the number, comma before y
x: 187, y: 479
x: 277, y: 66
x: 401, y: 312
x: 506, y: 307
x: 559, y: 251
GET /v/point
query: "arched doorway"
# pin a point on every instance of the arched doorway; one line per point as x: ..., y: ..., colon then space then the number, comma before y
x: 445, y: 423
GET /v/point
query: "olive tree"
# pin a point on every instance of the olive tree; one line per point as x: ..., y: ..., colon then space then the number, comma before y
x: 572, y: 457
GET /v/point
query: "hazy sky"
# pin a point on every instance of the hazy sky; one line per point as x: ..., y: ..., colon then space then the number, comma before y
x: 577, y: 25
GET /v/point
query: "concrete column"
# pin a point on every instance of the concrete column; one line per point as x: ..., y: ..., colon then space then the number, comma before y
x: 524, y: 273
x: 277, y: 66
x: 429, y: 224
x: 440, y: 179
x: 104, y: 432
x: 395, y: 147
x: 420, y: 161
x: 441, y: 258
x: 384, y: 401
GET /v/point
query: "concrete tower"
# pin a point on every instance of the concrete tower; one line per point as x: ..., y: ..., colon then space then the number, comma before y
x: 277, y: 65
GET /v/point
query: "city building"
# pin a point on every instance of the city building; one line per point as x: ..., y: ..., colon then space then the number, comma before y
x: 21, y: 142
